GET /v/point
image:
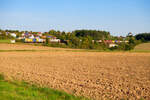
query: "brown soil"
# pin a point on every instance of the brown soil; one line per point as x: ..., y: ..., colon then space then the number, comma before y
x: 96, y: 75
x: 4, y: 46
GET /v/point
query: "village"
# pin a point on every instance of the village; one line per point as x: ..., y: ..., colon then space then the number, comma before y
x: 40, y: 37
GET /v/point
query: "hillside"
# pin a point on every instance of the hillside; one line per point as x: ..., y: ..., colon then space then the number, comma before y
x: 142, y: 47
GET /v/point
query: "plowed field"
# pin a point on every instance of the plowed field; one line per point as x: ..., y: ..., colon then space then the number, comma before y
x: 97, y: 75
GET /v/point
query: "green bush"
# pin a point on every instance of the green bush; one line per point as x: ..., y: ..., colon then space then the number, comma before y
x: 114, y: 48
x: 62, y: 45
x: 18, y: 40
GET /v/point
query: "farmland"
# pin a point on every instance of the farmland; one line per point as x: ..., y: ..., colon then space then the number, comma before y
x: 142, y: 47
x: 96, y: 75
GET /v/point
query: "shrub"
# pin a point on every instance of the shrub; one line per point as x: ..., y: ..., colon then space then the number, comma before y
x: 113, y: 48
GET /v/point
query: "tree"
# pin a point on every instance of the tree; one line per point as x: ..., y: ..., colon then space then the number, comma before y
x: 47, y: 41
x: 96, y: 35
x: 53, y: 32
x: 130, y: 34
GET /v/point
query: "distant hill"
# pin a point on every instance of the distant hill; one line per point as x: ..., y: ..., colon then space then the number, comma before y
x: 142, y: 47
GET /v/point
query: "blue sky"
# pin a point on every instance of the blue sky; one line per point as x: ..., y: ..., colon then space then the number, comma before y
x: 116, y: 16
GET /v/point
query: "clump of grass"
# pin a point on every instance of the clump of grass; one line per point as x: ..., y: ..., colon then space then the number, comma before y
x: 1, y: 77
x: 4, y: 41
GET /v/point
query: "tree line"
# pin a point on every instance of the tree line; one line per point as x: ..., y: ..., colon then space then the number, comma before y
x: 144, y: 37
x: 86, y: 39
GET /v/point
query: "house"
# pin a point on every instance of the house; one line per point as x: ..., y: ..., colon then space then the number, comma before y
x: 108, y: 41
x: 99, y: 41
x: 39, y: 34
x: 12, y: 41
x: 20, y: 38
x: 41, y: 40
x: 112, y: 45
x: 126, y: 41
x: 54, y: 40
x: 31, y: 36
x: 13, y: 35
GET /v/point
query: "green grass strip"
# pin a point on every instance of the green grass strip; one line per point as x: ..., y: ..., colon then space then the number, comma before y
x: 16, y: 90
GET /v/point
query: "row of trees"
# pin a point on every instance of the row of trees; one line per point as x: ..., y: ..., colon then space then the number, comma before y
x: 144, y: 37
x: 87, y: 39
x: 84, y: 39
x: 79, y: 38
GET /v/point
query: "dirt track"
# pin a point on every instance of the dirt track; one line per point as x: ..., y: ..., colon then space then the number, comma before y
x: 93, y: 74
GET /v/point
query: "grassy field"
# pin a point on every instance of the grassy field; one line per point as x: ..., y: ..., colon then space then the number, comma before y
x: 23, y: 91
x: 4, y: 41
x: 144, y: 47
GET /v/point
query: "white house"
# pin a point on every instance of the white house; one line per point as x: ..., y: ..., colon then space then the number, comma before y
x: 31, y: 37
x: 12, y: 41
x: 112, y: 45
x: 55, y: 40
x: 13, y: 35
